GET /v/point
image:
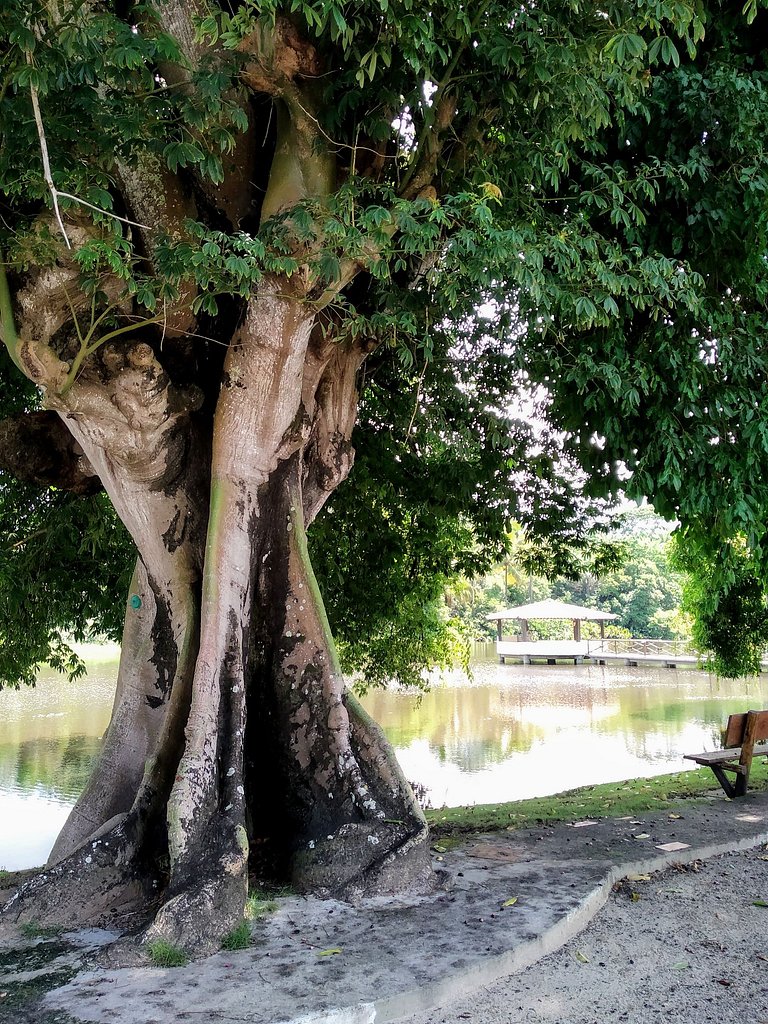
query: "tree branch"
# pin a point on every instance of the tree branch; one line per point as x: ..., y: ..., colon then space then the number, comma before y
x: 439, y: 117
x: 8, y: 333
x: 277, y: 56
x: 328, y: 454
x: 424, y: 166
x: 233, y: 195
x: 46, y: 162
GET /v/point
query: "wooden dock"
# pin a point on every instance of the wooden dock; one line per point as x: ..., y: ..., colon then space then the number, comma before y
x: 669, y: 653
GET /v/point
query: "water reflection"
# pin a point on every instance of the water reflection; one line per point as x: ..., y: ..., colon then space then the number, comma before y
x: 509, y: 733
x: 519, y: 731
x: 49, y: 739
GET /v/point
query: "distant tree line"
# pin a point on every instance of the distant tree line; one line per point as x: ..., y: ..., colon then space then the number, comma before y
x: 642, y: 588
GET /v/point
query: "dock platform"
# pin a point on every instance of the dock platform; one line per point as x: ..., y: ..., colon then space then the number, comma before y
x: 669, y: 653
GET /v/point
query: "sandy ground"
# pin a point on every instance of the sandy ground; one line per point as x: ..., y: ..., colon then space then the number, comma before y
x: 690, y: 947
x: 687, y: 944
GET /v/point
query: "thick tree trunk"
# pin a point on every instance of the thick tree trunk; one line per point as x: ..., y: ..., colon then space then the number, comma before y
x: 258, y: 418
x: 231, y: 724
x: 136, y: 434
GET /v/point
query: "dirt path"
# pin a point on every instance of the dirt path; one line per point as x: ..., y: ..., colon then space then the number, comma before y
x: 686, y: 946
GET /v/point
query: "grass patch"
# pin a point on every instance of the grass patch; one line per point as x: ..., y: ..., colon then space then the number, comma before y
x: 238, y: 938
x: 261, y: 902
x: 611, y: 799
x: 165, y: 954
x: 32, y: 930
x: 259, y: 905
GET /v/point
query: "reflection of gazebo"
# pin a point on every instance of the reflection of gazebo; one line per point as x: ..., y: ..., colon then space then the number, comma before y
x: 551, y: 609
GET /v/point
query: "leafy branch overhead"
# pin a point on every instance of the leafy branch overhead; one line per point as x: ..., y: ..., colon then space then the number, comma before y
x: 552, y: 211
x: 510, y: 257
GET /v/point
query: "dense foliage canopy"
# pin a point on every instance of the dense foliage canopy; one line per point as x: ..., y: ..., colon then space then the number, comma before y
x: 603, y: 205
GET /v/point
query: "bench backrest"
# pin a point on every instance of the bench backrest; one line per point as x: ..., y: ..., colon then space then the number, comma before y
x: 737, y: 723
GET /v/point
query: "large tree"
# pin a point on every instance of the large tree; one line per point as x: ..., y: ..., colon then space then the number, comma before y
x: 219, y: 224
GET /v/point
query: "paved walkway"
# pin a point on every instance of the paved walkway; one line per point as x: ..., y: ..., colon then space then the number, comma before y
x: 512, y: 898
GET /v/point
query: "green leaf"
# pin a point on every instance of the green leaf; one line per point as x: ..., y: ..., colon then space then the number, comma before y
x: 182, y: 154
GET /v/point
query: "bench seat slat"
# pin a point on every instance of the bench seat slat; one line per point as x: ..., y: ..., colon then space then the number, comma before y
x: 729, y: 754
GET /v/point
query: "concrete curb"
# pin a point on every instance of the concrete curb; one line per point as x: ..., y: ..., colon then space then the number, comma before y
x: 431, y: 997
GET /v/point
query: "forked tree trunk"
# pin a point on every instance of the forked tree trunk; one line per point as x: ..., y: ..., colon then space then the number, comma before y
x: 231, y: 723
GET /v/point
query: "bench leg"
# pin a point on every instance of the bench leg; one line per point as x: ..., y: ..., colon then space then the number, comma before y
x: 730, y: 790
x: 740, y: 785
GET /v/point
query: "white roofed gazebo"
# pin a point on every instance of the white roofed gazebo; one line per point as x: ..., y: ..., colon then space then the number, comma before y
x: 525, y: 648
x: 551, y: 609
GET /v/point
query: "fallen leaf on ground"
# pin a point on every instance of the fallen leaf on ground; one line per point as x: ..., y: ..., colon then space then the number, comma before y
x: 638, y: 878
x: 510, y: 902
x: 759, y: 903
x: 642, y: 835
x: 635, y: 897
x: 681, y: 965
x: 581, y: 957
x: 723, y: 981
x: 674, y: 816
x: 329, y: 952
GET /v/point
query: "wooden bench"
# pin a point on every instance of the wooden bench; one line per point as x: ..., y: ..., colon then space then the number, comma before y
x: 743, y: 741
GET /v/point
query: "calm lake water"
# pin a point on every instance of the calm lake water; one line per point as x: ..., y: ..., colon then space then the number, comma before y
x: 508, y: 733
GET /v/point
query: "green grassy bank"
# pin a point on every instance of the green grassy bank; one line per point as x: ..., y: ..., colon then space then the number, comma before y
x: 610, y: 799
